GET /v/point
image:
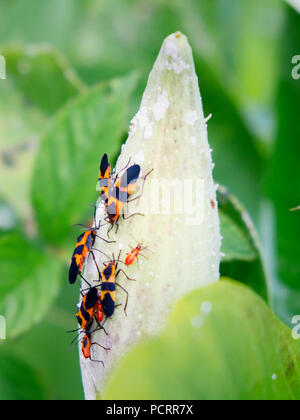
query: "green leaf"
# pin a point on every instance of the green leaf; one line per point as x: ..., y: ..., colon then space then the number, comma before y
x: 36, y: 21
x: 239, y: 39
x: 66, y: 172
x: 236, y: 245
x: 241, y: 247
x: 238, y: 165
x: 221, y: 342
x: 55, y: 361
x: 42, y: 74
x: 30, y: 282
x: 284, y: 185
x: 20, y: 124
x: 14, y: 374
x: 19, y: 121
x: 8, y: 218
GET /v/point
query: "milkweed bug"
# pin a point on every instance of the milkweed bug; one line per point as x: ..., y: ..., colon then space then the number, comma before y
x: 108, y: 286
x: 121, y: 192
x: 133, y: 255
x: 86, y: 312
x: 86, y: 348
x: 84, y: 245
x: 90, y: 308
x: 104, y: 178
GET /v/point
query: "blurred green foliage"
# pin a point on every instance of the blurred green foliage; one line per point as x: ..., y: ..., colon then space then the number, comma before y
x: 240, y: 246
x: 236, y: 346
x: 35, y: 67
x: 97, y: 117
x: 70, y: 92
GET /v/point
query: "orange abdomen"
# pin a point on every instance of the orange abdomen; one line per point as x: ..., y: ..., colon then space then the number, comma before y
x: 86, y: 347
x: 99, y: 313
x: 131, y: 257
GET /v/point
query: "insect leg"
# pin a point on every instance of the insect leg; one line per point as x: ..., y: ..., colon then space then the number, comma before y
x: 126, y: 303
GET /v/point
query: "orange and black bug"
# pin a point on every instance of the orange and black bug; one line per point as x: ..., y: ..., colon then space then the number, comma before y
x: 104, y: 178
x: 90, y: 309
x: 84, y: 245
x: 108, y: 287
x: 86, y: 312
x: 133, y: 255
x: 121, y: 192
x: 86, y: 348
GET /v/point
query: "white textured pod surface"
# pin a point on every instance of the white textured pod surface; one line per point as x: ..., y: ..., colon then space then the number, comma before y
x: 182, y: 235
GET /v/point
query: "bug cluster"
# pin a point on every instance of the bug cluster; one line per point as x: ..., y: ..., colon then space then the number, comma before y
x: 99, y: 302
